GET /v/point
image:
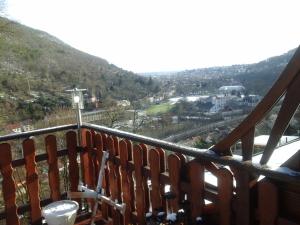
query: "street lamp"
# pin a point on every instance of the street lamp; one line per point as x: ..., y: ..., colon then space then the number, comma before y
x: 77, y: 104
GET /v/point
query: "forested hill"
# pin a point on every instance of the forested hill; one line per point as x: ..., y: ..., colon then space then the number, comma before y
x: 256, y: 77
x: 259, y: 77
x: 34, y: 63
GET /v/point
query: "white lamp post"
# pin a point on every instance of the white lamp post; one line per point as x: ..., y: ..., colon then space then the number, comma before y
x: 77, y: 103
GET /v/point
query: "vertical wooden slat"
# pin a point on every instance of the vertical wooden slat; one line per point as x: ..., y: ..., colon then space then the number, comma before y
x: 71, y: 138
x: 162, y: 156
x: 140, y: 195
x: 267, y: 203
x: 89, y: 166
x: 130, y: 177
x: 174, y: 164
x: 99, y: 154
x: 154, y: 161
x: 145, y: 179
x: 32, y: 181
x: 53, y: 172
x: 182, y: 173
x: 243, y: 197
x: 106, y: 184
x: 125, y: 181
x: 113, y: 183
x: 117, y: 153
x: 86, y: 164
x: 8, y: 185
x: 83, y: 154
x: 196, y: 195
x: 225, y: 193
x: 94, y: 157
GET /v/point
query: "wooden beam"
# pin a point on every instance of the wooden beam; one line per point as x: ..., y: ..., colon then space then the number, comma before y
x: 247, y: 144
x: 287, y: 111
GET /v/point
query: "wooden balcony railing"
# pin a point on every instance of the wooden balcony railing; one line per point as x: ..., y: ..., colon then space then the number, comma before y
x: 211, y: 184
x: 139, y: 168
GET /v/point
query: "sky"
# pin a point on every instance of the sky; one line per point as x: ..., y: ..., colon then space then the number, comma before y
x: 167, y: 35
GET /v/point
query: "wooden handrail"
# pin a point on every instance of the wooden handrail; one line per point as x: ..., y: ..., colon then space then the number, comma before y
x: 200, y: 154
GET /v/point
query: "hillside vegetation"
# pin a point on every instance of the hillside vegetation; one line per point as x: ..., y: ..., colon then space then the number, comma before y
x: 36, y: 69
x: 256, y: 77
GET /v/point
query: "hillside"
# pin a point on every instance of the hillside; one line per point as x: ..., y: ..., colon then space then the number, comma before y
x: 257, y: 77
x: 36, y: 69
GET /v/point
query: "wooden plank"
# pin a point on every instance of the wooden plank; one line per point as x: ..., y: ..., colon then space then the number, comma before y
x: 140, y: 195
x: 32, y: 181
x: 8, y: 185
x: 196, y: 195
x: 71, y: 139
x: 130, y: 177
x: 225, y: 194
x: 117, y: 153
x: 247, y: 144
x: 154, y: 161
x: 271, y: 98
x: 99, y: 154
x: 267, y: 203
x: 106, y: 177
x: 53, y: 172
x: 287, y: 111
x: 113, y: 184
x: 125, y: 182
x: 162, y: 161
x: 174, y: 164
x: 145, y: 178
x: 183, y: 173
x: 243, y: 197
x: 89, y: 167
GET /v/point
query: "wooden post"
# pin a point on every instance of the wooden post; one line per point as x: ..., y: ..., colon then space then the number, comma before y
x: 99, y: 154
x: 196, y: 196
x: 267, y: 203
x: 125, y: 181
x: 53, y: 173
x: 225, y: 193
x: 71, y: 138
x: 32, y: 181
x: 145, y: 179
x: 174, y: 164
x: 154, y: 160
x: 113, y: 183
x: 140, y: 195
x: 130, y: 177
x: 242, y: 197
x: 8, y: 185
x: 162, y: 161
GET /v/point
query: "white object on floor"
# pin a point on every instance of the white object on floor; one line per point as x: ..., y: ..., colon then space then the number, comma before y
x: 60, y: 212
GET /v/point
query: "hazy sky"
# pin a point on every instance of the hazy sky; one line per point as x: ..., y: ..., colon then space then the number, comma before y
x: 165, y: 35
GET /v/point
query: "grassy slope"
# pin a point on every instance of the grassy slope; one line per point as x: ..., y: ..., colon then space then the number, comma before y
x: 49, y: 66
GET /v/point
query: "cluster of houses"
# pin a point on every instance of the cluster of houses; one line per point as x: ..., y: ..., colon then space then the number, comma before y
x: 227, y: 95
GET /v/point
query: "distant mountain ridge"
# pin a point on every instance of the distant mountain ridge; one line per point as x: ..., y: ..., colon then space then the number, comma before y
x: 32, y: 61
x: 256, y: 77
